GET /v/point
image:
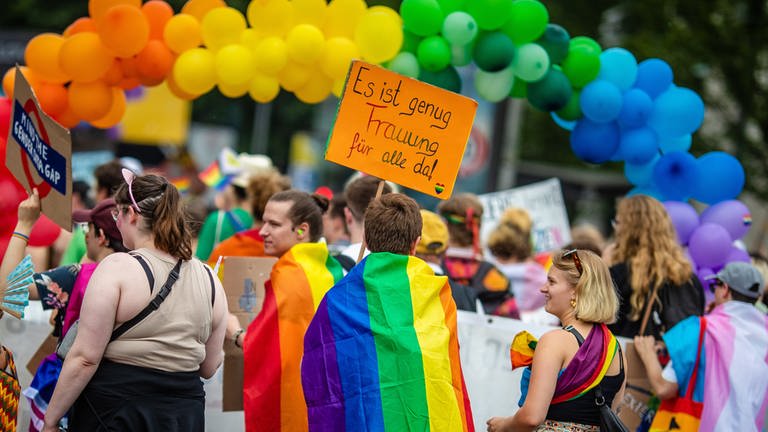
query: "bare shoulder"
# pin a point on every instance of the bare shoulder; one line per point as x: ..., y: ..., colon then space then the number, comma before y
x: 118, y: 266
x: 555, y: 341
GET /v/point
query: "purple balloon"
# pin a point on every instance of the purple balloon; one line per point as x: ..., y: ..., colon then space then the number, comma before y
x: 736, y: 254
x: 702, y: 273
x: 710, y: 245
x: 732, y: 215
x: 684, y: 218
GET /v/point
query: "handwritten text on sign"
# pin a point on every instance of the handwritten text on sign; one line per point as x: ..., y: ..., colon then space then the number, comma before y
x: 50, y: 165
x: 401, y: 129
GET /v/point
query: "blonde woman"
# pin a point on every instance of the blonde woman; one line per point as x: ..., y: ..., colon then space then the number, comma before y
x: 646, y: 255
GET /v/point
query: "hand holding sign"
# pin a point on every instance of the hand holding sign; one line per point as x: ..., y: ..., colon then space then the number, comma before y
x: 401, y: 129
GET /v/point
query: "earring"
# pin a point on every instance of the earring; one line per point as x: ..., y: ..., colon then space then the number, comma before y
x: 573, y: 303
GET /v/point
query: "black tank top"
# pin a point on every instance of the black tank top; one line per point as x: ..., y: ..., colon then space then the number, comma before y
x: 583, y: 409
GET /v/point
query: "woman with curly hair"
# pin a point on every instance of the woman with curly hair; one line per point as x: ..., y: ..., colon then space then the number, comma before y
x: 646, y: 257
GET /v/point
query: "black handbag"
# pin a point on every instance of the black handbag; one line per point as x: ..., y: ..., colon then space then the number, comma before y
x: 609, y: 421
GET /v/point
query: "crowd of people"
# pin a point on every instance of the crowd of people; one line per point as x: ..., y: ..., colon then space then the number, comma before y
x: 358, y: 328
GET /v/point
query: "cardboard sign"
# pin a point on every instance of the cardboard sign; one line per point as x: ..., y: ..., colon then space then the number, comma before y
x: 635, y: 407
x: 38, y: 153
x: 401, y: 129
x: 243, y: 280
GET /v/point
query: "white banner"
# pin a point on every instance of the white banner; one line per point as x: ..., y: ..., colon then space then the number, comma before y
x: 544, y: 203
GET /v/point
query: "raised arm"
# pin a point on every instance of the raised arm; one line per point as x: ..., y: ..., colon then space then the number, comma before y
x: 214, y: 346
x: 28, y: 213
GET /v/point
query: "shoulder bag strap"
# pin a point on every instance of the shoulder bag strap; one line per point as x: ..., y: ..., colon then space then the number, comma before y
x: 648, y: 307
x: 152, y: 306
x: 692, y: 381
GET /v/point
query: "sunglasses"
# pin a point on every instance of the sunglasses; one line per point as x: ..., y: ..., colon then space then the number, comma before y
x: 576, y: 260
x: 129, y: 176
x: 83, y: 226
x: 714, y: 284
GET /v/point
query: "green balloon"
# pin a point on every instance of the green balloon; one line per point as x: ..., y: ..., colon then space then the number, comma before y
x: 550, y: 93
x: 461, y: 55
x: 519, y: 90
x: 531, y: 62
x: 434, y: 53
x: 555, y: 41
x: 494, y: 51
x: 572, y: 110
x: 447, y: 78
x: 527, y: 22
x: 449, y: 6
x: 422, y: 17
x: 459, y: 28
x: 494, y: 86
x: 582, y: 65
x: 406, y: 64
x: 490, y: 14
x: 410, y: 42
x: 587, y: 42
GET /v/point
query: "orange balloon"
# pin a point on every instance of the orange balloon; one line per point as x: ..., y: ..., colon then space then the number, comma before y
x: 177, y: 91
x: 157, y: 13
x: 84, y: 24
x: 90, y: 101
x: 98, y: 8
x: 182, y: 33
x: 129, y: 83
x: 52, y: 98
x: 114, y: 74
x: 154, y: 61
x: 115, y: 113
x: 67, y: 118
x: 42, y: 55
x: 9, y: 79
x: 84, y: 57
x: 198, y: 8
x: 124, y: 30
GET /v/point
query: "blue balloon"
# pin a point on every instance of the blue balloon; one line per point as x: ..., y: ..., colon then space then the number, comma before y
x: 639, y: 146
x: 641, y: 174
x: 595, y: 142
x: 654, y: 76
x: 682, y: 143
x: 678, y: 111
x: 721, y: 178
x: 650, y: 190
x: 675, y: 175
x: 565, y: 124
x: 636, y: 109
x: 600, y: 101
x: 618, y: 66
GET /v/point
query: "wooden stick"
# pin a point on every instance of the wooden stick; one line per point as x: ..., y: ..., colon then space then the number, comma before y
x: 363, y: 246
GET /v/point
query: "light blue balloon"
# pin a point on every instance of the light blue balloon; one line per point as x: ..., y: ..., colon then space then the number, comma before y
x: 601, y: 101
x: 639, y: 146
x: 682, y: 143
x: 721, y: 178
x: 641, y: 174
x: 595, y: 142
x: 565, y: 124
x: 676, y: 112
x: 635, y: 109
x: 649, y: 190
x: 619, y: 67
x: 654, y: 76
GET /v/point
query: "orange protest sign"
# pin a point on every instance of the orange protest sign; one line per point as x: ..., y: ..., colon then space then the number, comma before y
x: 401, y: 129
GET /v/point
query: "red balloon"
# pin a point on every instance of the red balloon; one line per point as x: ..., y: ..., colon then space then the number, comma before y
x: 44, y: 233
x: 5, y: 118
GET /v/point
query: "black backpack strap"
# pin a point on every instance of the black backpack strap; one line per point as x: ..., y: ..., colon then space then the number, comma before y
x: 575, y: 333
x: 213, y: 286
x: 147, y: 271
x: 346, y: 262
x: 152, y: 306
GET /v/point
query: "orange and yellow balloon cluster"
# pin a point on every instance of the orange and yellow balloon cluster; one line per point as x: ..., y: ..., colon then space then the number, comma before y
x: 302, y: 46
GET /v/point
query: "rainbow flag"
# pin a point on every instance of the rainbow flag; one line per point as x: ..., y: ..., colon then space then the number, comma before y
x: 181, y: 184
x: 382, y: 352
x: 272, y: 395
x: 213, y: 176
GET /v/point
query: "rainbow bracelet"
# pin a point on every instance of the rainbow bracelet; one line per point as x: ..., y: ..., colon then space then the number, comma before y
x: 21, y: 236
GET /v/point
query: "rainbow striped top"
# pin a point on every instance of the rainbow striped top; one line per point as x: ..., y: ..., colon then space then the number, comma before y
x: 382, y: 352
x: 273, y: 345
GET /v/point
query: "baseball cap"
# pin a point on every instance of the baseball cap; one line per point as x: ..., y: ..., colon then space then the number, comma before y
x: 101, y: 216
x: 434, y: 234
x: 250, y: 165
x: 742, y: 278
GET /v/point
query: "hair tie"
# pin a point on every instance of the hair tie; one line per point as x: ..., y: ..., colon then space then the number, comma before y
x: 164, y: 187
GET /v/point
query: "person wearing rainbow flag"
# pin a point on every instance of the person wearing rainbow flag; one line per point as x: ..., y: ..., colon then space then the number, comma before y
x: 382, y: 353
x: 563, y: 369
x: 733, y: 357
x: 273, y: 345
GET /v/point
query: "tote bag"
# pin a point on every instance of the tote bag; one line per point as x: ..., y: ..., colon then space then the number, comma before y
x: 9, y: 393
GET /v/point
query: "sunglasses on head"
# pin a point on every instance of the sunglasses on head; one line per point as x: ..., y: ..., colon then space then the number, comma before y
x: 129, y: 176
x: 573, y: 253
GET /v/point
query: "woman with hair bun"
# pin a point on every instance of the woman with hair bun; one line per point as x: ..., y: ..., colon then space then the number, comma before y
x: 273, y: 398
x: 138, y: 356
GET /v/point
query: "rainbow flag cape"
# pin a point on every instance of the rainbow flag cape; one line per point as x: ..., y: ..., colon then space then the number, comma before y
x: 272, y: 395
x: 213, y: 177
x: 382, y: 352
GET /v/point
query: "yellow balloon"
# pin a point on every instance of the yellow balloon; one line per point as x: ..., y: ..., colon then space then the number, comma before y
x: 343, y: 16
x: 235, y: 65
x: 339, y: 53
x: 182, y: 32
x: 271, y: 17
x: 250, y: 38
x: 264, y: 88
x: 379, y: 34
x: 305, y: 44
x: 315, y: 90
x: 234, y: 91
x: 312, y: 12
x: 199, y: 8
x: 42, y: 55
x: 222, y: 26
x: 195, y: 71
x: 294, y: 76
x: 338, y: 87
x: 271, y: 55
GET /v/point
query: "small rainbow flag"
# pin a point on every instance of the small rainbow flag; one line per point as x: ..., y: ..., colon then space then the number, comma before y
x: 272, y: 395
x: 382, y: 352
x: 213, y: 177
x: 181, y: 184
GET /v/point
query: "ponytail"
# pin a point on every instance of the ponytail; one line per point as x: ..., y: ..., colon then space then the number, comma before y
x: 305, y: 208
